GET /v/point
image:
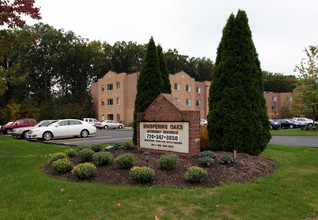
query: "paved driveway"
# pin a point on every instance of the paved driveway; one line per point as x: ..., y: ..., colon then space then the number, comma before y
x: 303, y: 141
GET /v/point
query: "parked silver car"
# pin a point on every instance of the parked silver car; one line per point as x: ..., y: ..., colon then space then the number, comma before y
x: 109, y: 124
x: 23, y: 131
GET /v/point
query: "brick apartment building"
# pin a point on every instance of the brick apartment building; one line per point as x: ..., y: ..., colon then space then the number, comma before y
x: 114, y: 95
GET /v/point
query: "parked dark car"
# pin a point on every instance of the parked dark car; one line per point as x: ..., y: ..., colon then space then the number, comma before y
x: 7, y: 129
x: 274, y: 124
x: 285, y: 123
x: 300, y: 124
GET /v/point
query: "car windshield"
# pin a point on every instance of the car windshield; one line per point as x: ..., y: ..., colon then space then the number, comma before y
x: 45, y: 123
x: 53, y: 122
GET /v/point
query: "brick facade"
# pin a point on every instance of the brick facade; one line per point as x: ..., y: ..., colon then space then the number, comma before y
x: 165, y: 108
x: 275, y: 103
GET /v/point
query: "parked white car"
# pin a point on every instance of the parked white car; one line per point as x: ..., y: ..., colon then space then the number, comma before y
x: 23, y: 131
x: 92, y: 121
x: 306, y: 121
x: 203, y: 122
x: 109, y: 124
x: 62, y: 128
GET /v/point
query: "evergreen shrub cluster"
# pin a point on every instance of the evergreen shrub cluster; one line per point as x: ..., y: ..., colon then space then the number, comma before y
x: 125, y: 161
x: 195, y: 174
x: 62, y: 165
x: 71, y: 152
x: 57, y: 156
x: 96, y: 147
x: 102, y: 158
x: 168, y: 161
x: 84, y: 171
x: 206, y: 157
x: 82, y: 147
x: 226, y: 159
x: 86, y: 154
x: 142, y: 175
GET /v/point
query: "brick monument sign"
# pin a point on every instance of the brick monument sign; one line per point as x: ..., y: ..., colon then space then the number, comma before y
x: 167, y: 126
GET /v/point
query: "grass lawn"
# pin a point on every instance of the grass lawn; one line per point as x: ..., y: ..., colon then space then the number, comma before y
x: 28, y: 193
x: 295, y: 131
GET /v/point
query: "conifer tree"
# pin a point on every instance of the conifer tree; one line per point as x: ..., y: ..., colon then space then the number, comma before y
x: 166, y: 87
x: 237, y: 117
x: 149, y: 84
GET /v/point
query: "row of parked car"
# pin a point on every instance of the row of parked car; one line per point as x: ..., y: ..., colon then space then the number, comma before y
x: 48, y: 129
x: 291, y: 123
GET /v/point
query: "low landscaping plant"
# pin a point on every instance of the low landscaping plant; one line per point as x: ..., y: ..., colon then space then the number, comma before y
x: 142, y: 175
x: 117, y: 145
x: 62, y: 165
x: 125, y: 161
x: 71, y: 152
x: 102, y: 158
x: 207, y: 153
x: 127, y: 145
x: 226, y: 159
x: 82, y: 147
x: 207, y: 161
x: 84, y: 171
x: 96, y: 147
x: 86, y: 154
x: 195, y: 174
x: 57, y: 156
x: 168, y: 161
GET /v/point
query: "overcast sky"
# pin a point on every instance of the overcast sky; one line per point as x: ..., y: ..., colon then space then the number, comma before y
x: 281, y: 29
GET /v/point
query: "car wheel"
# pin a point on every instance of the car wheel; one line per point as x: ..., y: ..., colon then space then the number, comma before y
x: 105, y: 127
x: 291, y: 126
x: 310, y: 125
x: 47, y: 136
x: 8, y: 131
x: 84, y: 133
x: 25, y: 135
x: 120, y: 126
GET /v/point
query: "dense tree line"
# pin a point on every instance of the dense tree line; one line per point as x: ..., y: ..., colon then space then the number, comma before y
x: 46, y: 73
x: 277, y: 82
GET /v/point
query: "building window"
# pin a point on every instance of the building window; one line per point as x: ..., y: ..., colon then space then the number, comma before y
x: 109, y: 87
x: 188, y: 102
x: 118, y: 117
x: 176, y: 86
x: 109, y: 101
x: 178, y: 99
x: 188, y: 88
x: 274, y: 98
x: 290, y: 98
x: 117, y: 85
x: 198, y: 90
x: 273, y: 107
x: 103, y: 88
x: 118, y: 101
x: 198, y: 103
x: 103, y: 102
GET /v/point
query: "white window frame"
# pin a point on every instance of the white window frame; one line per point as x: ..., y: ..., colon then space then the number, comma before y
x: 110, y: 102
x: 199, y: 90
x: 198, y: 103
x: 274, y: 98
x: 177, y: 86
x: 188, y: 88
x: 118, y: 100
x: 117, y: 85
x: 188, y: 102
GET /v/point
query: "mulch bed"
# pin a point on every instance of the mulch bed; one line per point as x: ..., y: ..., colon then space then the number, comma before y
x: 244, y: 168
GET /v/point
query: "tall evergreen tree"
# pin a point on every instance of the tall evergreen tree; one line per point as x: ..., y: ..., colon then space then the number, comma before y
x: 166, y: 86
x: 149, y: 84
x: 237, y: 117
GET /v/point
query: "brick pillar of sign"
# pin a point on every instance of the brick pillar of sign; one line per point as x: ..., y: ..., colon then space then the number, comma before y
x: 165, y: 108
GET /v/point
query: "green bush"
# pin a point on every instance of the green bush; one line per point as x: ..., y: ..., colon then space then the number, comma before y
x: 226, y: 159
x: 142, y: 175
x: 127, y: 145
x: 96, y: 147
x: 62, y: 165
x: 57, y: 156
x: 82, y: 147
x: 207, y: 153
x: 102, y: 158
x: 84, y: 171
x: 207, y: 161
x: 125, y: 161
x: 117, y: 145
x: 71, y: 152
x: 168, y: 161
x: 195, y: 174
x: 86, y: 154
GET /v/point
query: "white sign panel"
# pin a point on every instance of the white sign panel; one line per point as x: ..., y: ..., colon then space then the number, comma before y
x: 165, y: 136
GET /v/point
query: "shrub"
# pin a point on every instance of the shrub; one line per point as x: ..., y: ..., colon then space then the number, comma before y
x: 84, y: 171
x: 206, y: 161
x: 226, y: 159
x: 82, y: 147
x: 117, y: 145
x: 314, y: 128
x: 204, y: 138
x: 125, y: 161
x: 127, y: 145
x: 168, y: 161
x: 96, y: 147
x: 307, y: 128
x: 207, y: 153
x: 86, y: 154
x: 142, y: 175
x: 102, y: 158
x: 62, y: 165
x: 57, y: 156
x: 195, y: 174
x: 71, y: 152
